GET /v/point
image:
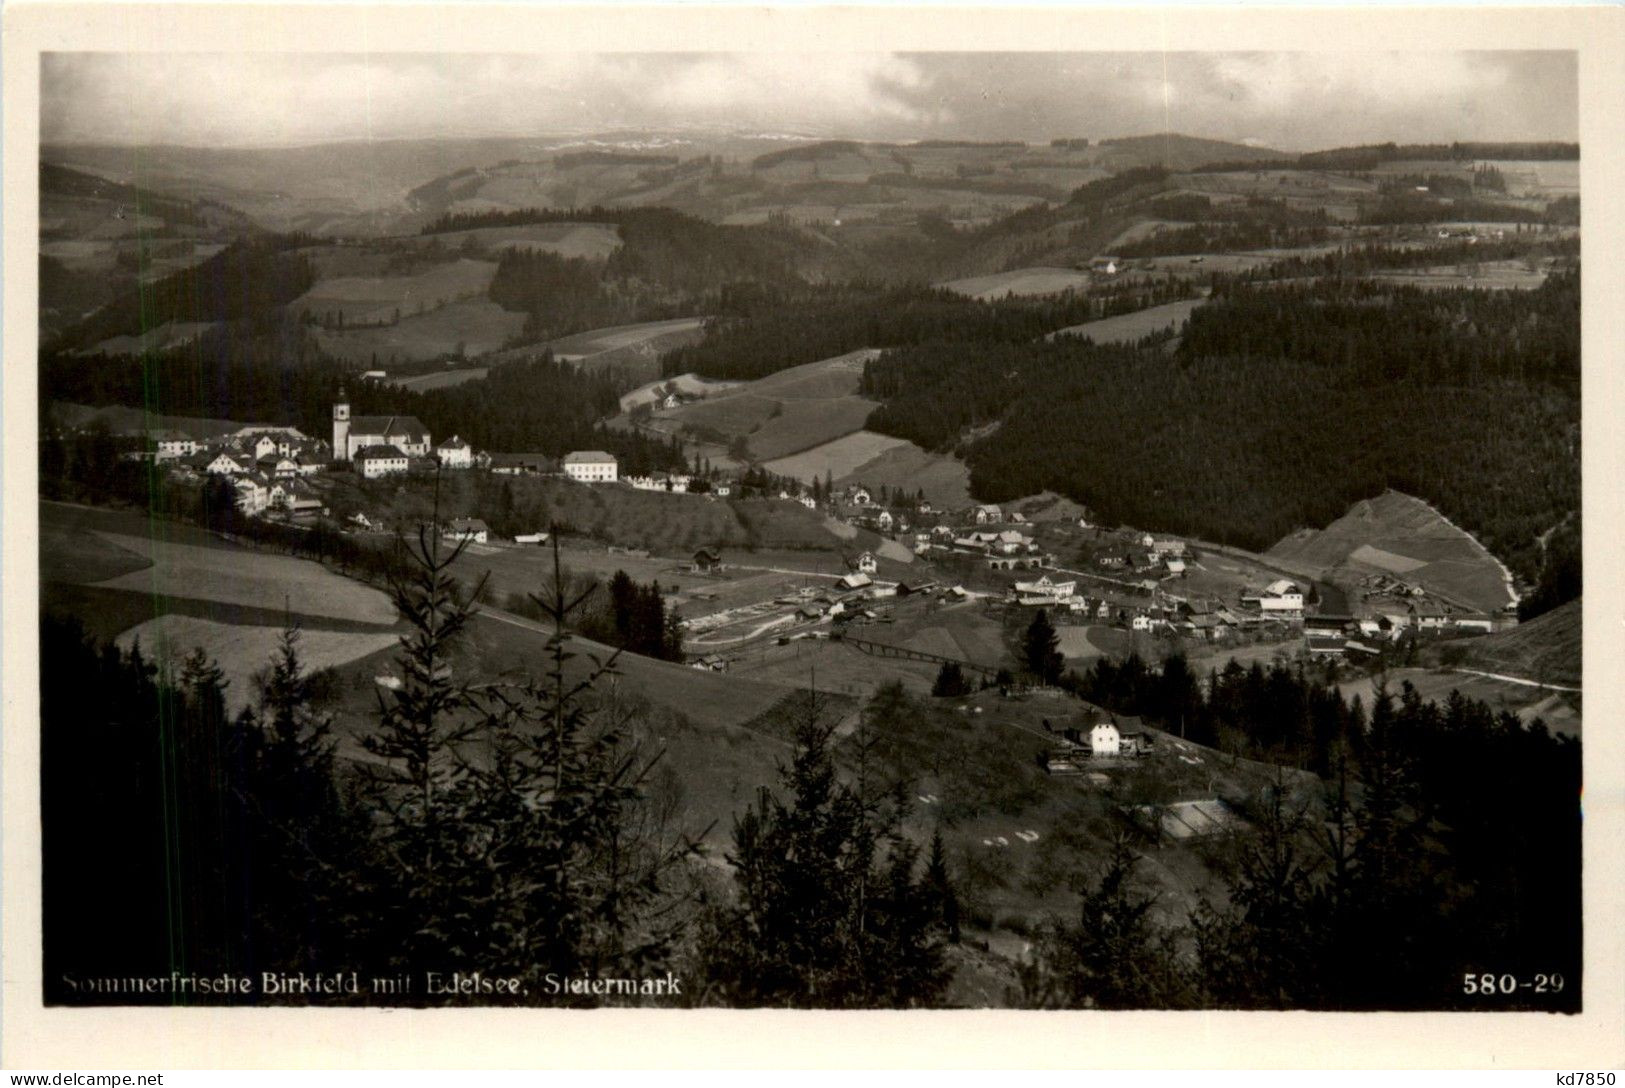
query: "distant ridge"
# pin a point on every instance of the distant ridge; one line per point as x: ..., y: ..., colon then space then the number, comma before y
x: 1179, y: 152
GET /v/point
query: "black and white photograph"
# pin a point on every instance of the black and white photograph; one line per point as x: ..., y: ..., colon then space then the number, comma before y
x: 830, y: 528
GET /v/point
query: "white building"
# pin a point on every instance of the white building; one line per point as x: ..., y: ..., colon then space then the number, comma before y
x: 473, y: 529
x: 455, y: 453
x: 1046, y: 587
x: 1282, y: 599
x: 375, y: 461
x: 591, y: 466
x: 224, y: 464
x: 253, y: 493
x: 1104, y: 740
x: 866, y: 563
x: 173, y: 445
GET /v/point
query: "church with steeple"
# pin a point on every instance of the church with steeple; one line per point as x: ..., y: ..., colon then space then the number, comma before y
x: 351, y: 435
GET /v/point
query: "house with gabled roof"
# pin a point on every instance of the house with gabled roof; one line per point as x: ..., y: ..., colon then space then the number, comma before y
x: 467, y: 529
x: 591, y: 466
x: 375, y: 461
x: 454, y: 452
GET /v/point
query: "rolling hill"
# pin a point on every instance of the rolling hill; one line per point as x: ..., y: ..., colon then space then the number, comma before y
x: 1403, y: 538
x: 1547, y: 649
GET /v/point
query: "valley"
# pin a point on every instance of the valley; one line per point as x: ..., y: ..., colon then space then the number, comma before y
x: 1084, y: 507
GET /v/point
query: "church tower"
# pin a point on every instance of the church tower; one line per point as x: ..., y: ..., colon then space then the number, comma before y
x: 341, y: 427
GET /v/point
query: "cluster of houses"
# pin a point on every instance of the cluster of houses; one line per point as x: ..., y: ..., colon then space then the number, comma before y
x: 1157, y: 612
x: 267, y: 466
x: 1129, y: 552
x: 976, y: 531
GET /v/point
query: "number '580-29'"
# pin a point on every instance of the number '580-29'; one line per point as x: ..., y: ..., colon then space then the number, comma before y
x: 1490, y: 985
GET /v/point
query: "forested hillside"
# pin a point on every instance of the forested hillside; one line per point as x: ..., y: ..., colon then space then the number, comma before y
x: 764, y: 330
x: 1281, y: 406
x: 248, y: 281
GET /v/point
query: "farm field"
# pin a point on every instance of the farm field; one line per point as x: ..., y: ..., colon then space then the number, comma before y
x: 1501, y: 275
x: 242, y: 577
x: 1540, y: 178
x: 671, y: 523
x: 945, y: 480
x: 171, y: 334
x: 1259, y: 653
x: 837, y: 459
x: 1127, y: 328
x: 831, y: 666
x: 1020, y: 282
x: 377, y: 299
x: 615, y: 337
x: 1402, y: 537
x: 689, y: 384
x: 471, y: 328
x: 243, y: 651
x: 70, y: 553
x: 441, y: 379
x: 585, y: 241
x: 785, y: 413
x: 1084, y: 644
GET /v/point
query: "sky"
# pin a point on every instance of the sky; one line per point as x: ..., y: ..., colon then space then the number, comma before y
x: 1292, y: 101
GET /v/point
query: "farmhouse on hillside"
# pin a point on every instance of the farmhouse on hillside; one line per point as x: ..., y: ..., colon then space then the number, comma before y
x: 866, y: 563
x: 591, y: 466
x: 1282, y: 599
x: 707, y: 561
x: 468, y: 529
x: 455, y: 453
x: 1104, y: 740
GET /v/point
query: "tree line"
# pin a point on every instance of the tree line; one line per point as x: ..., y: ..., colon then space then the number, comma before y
x: 1434, y: 841
x: 763, y: 329
x: 1246, y: 432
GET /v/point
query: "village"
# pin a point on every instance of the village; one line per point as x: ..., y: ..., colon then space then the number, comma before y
x: 897, y: 565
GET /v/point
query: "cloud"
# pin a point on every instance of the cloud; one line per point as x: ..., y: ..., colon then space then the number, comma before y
x: 1285, y: 99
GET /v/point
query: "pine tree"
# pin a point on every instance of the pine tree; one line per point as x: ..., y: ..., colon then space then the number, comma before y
x: 829, y: 913
x: 571, y: 882
x: 1043, y: 649
x: 1112, y: 957
x: 415, y: 784
x: 950, y: 681
x: 940, y: 888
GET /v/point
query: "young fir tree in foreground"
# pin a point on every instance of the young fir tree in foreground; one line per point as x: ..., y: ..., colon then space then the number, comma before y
x: 829, y: 911
x: 505, y: 815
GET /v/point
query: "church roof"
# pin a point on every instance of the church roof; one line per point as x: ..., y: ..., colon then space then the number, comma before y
x: 388, y: 426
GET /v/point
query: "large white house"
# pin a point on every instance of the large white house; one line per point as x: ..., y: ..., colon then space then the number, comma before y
x: 591, y: 466
x: 352, y: 435
x: 375, y: 461
x: 455, y: 453
x: 1283, y: 599
x: 1045, y: 587
x: 1104, y: 740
